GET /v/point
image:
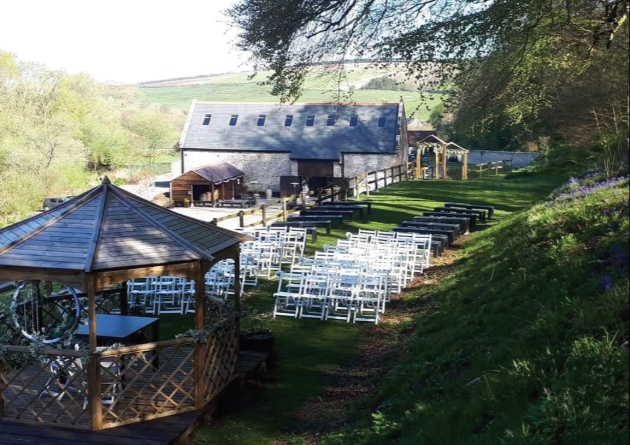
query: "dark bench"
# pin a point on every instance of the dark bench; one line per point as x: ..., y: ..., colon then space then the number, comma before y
x: 489, y: 209
x: 464, y: 223
x: 368, y: 204
x: 354, y: 208
x: 438, y: 242
x: 481, y: 214
x: 320, y: 211
x: 237, y: 203
x: 472, y: 218
x: 432, y: 225
x: 334, y: 218
x: 311, y: 230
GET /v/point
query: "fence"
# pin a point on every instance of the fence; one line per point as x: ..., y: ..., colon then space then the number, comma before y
x: 365, y: 183
x: 504, y: 166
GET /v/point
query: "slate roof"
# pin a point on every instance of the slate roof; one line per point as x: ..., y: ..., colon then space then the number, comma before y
x: 219, y: 172
x: 317, y: 142
x: 108, y: 228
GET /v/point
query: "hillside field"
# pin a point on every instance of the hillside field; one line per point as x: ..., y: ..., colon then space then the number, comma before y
x: 319, y: 87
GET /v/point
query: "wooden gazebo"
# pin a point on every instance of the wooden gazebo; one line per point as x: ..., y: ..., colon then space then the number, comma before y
x: 99, y: 239
x: 441, y: 149
x: 208, y: 184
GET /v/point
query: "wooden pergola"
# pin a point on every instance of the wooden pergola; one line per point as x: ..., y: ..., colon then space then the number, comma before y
x: 208, y: 184
x: 102, y: 238
x: 445, y: 149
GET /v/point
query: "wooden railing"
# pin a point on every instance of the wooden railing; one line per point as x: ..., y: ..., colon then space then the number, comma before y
x: 59, y: 387
x: 365, y: 183
x: 505, y: 166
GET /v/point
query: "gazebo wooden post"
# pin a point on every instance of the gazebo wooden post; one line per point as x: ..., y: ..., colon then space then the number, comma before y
x: 437, y: 164
x: 444, y: 157
x: 418, y: 164
x: 465, y: 165
x: 94, y: 366
x: 237, y: 276
x: 212, y: 193
x: 200, y: 287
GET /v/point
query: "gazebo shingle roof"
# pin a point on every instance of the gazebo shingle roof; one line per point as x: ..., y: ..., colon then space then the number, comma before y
x: 108, y: 228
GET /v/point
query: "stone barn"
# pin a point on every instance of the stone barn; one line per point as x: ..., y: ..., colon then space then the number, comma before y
x: 268, y: 142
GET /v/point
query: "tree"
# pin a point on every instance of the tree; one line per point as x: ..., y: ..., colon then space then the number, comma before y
x: 512, y: 64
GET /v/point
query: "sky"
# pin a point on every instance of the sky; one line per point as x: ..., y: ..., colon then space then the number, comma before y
x: 126, y: 41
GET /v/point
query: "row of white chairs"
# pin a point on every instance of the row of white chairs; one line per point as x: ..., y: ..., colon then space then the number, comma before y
x: 354, y: 279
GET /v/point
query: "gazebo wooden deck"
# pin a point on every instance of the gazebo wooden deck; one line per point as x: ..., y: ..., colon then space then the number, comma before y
x: 102, y: 238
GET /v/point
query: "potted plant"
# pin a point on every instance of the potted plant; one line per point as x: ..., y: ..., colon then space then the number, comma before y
x: 258, y: 336
x: 187, y: 202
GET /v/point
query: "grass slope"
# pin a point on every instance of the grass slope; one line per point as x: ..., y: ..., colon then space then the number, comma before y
x: 526, y: 341
x: 500, y: 345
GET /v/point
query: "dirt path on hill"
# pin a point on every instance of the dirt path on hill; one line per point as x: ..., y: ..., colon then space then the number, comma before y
x: 331, y: 411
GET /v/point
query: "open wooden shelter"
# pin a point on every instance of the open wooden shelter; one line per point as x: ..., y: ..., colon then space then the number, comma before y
x: 441, y: 150
x: 208, y: 184
x: 97, y: 240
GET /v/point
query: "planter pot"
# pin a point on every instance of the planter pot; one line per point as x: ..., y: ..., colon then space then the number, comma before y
x: 260, y: 340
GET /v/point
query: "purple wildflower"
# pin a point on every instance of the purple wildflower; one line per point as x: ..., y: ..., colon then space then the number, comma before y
x: 606, y: 282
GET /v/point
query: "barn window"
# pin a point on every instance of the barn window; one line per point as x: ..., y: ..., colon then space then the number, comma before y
x: 310, y: 120
x: 382, y: 122
x: 206, y: 119
x: 233, y: 120
x: 330, y: 122
x: 261, y: 120
x: 354, y: 120
x: 288, y: 120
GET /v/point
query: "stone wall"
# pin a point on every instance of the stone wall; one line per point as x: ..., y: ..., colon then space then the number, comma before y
x: 355, y: 164
x: 519, y: 158
x: 266, y: 168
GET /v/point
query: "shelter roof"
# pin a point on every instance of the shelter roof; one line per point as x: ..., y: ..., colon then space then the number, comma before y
x: 219, y: 172
x: 108, y: 228
x: 306, y: 131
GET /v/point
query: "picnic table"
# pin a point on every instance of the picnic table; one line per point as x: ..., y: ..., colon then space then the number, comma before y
x: 472, y: 217
x: 432, y: 225
x: 334, y: 218
x: 489, y: 209
x: 464, y: 223
x: 368, y: 204
x: 480, y: 213
x: 320, y: 211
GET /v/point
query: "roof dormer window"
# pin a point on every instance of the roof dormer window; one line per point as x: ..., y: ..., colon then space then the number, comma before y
x: 330, y: 122
x: 206, y: 119
x: 382, y: 122
x: 310, y: 120
x: 233, y: 119
x: 354, y: 120
x: 288, y: 120
x: 261, y: 120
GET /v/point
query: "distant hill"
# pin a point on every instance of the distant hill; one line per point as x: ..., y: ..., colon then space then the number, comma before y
x: 321, y: 85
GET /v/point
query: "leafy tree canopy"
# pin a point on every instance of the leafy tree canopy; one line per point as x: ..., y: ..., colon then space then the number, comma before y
x: 511, y: 64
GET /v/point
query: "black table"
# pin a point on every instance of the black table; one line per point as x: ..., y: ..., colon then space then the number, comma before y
x: 433, y: 225
x: 481, y: 214
x: 120, y: 329
x: 337, y: 218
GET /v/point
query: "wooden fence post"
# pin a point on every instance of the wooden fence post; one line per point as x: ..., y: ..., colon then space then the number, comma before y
x: 284, y: 209
x: 376, y: 180
x: 263, y: 210
x: 241, y: 219
x: 367, y: 184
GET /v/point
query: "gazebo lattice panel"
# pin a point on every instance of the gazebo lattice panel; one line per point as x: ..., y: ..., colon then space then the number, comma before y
x: 48, y: 388
x: 220, y: 357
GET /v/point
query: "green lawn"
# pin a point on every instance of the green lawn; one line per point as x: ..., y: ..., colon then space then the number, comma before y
x: 309, y: 349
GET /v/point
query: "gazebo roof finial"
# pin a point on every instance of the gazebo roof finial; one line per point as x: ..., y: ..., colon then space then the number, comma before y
x: 105, y: 180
